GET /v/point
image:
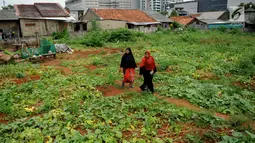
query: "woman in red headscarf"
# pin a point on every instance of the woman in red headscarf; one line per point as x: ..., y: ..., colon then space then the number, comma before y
x: 148, y: 69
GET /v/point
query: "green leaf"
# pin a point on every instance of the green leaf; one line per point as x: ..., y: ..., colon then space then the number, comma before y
x: 250, y: 134
x: 97, y: 131
x: 118, y: 134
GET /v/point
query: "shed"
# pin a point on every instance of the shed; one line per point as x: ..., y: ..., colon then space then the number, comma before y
x: 43, y: 18
x: 221, y: 15
x: 165, y: 22
x: 120, y: 18
x: 9, y: 24
x: 207, y: 24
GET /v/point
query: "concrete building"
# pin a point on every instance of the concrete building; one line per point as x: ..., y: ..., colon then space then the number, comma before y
x: 212, y: 5
x: 190, y: 7
x: 157, y: 5
x: 219, y: 5
x: 9, y: 24
x: 79, y: 7
x: 237, y: 2
x: 109, y: 19
x: 43, y: 19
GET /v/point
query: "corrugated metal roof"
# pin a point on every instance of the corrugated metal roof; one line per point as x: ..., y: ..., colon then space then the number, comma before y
x: 211, y: 15
x: 212, y: 21
x: 27, y: 11
x: 158, y: 16
x: 8, y: 15
x: 143, y: 23
x: 40, y: 10
x: 51, y: 10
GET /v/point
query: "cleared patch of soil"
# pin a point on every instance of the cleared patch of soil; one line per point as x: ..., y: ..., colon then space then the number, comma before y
x: 2, y: 119
x: 206, y: 75
x: 224, y: 116
x: 27, y: 79
x: 82, y: 132
x: 110, y: 90
x: 181, y: 103
x: 186, y: 104
x: 64, y: 70
x: 240, y: 84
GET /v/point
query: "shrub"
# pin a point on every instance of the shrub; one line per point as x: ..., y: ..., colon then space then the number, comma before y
x: 234, y: 31
x: 222, y: 29
x: 192, y: 29
x: 175, y: 25
x: 94, y: 39
x: 95, y: 26
x: 61, y: 35
x: 120, y: 35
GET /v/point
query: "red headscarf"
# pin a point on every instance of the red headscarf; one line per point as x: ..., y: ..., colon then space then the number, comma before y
x: 148, y: 63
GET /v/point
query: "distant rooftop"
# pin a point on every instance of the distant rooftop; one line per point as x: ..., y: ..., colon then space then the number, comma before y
x: 8, y: 15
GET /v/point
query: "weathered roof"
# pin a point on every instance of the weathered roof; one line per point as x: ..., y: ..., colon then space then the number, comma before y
x: 39, y: 10
x: 8, y: 15
x: 194, y: 15
x: 250, y: 10
x: 184, y: 20
x: 158, y: 16
x: 27, y: 11
x: 211, y: 15
x: 212, y: 21
x: 129, y: 15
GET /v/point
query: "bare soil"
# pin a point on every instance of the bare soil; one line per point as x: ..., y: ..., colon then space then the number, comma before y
x: 26, y: 79
x: 2, y: 119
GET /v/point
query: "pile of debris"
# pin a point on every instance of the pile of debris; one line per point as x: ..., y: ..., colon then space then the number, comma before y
x: 63, y: 48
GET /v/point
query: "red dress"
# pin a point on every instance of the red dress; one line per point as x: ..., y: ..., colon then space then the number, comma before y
x: 129, y: 76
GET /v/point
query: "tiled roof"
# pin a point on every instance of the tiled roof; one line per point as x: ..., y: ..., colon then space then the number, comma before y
x: 8, y: 15
x: 128, y: 15
x: 39, y: 10
x: 184, y: 20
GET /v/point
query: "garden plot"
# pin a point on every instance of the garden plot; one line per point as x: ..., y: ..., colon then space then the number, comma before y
x: 78, y: 97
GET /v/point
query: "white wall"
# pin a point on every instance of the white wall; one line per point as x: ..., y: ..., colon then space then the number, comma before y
x: 237, y: 2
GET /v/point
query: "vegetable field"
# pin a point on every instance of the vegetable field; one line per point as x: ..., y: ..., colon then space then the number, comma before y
x: 205, y: 91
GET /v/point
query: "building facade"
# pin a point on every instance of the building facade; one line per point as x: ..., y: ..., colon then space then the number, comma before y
x: 212, y: 5
x: 79, y: 7
x: 157, y: 5
x: 238, y: 2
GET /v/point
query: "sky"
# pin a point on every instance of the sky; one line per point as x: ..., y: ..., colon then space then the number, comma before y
x: 7, y: 2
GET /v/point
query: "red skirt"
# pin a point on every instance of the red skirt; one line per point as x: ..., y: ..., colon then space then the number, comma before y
x: 129, y: 76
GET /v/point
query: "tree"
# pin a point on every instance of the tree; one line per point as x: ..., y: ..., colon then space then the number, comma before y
x: 174, y: 13
x: 248, y: 5
x: 9, y: 7
x: 164, y: 13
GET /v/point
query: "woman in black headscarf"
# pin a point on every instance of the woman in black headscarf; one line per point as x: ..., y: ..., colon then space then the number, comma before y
x: 128, y: 65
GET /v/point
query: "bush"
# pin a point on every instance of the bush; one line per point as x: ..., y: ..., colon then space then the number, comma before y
x: 234, y: 31
x: 222, y: 29
x: 120, y: 35
x: 175, y: 25
x: 61, y: 35
x: 246, y: 66
x: 192, y: 29
x: 94, y: 39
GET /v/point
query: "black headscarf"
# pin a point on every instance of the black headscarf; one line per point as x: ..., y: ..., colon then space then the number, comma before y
x: 128, y: 60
